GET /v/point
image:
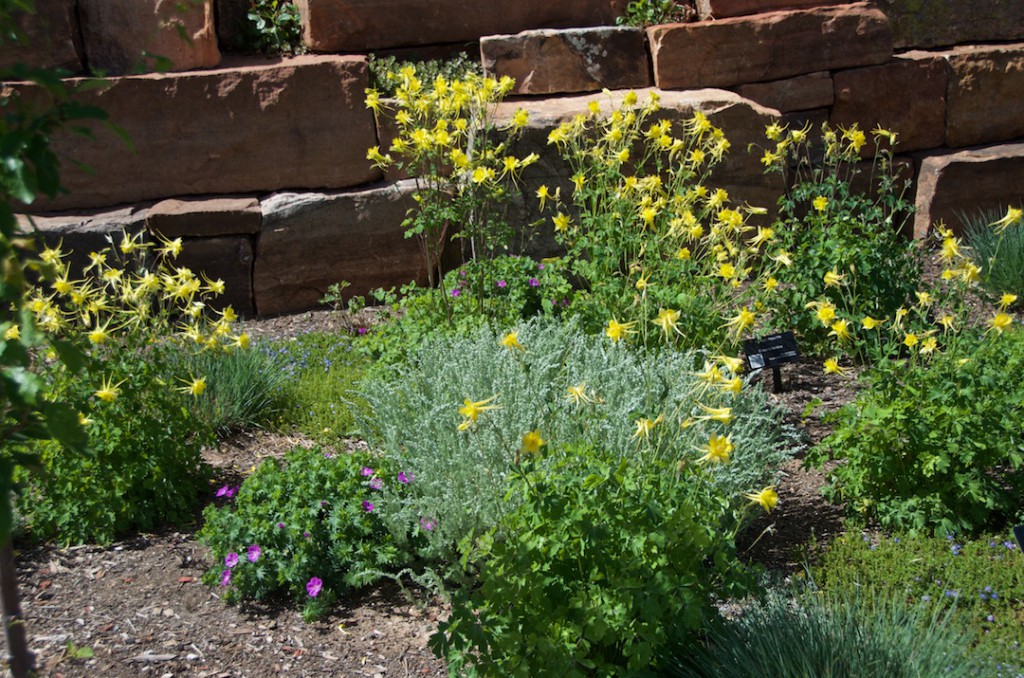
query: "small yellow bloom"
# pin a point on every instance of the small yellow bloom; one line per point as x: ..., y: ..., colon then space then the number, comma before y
x: 83, y: 420
x: 929, y: 345
x: 520, y: 119
x: 13, y: 333
x: 1000, y: 321
x: 195, y: 387
x: 741, y: 321
x: 1014, y: 215
x: 577, y: 395
x: 717, y: 450
x: 683, y: 253
x: 1006, y: 300
x: 820, y: 203
x: 511, y: 341
x: 543, y: 194
x: 734, y: 365
x: 825, y: 311
x: 832, y: 367
x: 947, y: 322
x: 562, y: 222
x: 667, y: 320
x: 617, y: 331
x: 869, y: 323
x: 924, y: 298
x: 623, y: 155
x: 841, y: 331
x: 766, y: 498
x: 833, y: 279
x: 109, y: 391
x: 471, y: 411
x: 770, y: 284
x: 910, y: 340
x: 532, y: 442
x: 171, y: 248
x: 578, y: 180
x: 644, y: 426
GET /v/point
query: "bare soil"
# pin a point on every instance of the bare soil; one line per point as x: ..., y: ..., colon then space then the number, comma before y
x: 138, y: 607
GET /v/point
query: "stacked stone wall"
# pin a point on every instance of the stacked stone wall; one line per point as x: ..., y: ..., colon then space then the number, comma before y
x: 259, y: 164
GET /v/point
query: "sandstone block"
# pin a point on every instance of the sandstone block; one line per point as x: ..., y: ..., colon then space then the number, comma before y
x: 985, y: 101
x: 802, y: 93
x: 298, y: 123
x: 229, y: 259
x: 231, y: 22
x: 363, y: 25
x: 201, y: 217
x: 966, y: 182
x: 572, y: 60
x: 51, y: 38
x: 310, y: 241
x: 943, y: 23
x: 84, y: 232
x: 906, y: 95
x: 771, y: 46
x: 720, y: 9
x: 121, y: 36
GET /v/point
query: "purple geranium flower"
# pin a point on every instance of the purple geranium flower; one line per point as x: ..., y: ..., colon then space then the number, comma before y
x: 313, y: 587
x: 227, y: 491
x: 404, y: 479
x: 456, y: 292
x: 368, y: 506
x: 502, y: 283
x: 366, y: 472
x: 280, y: 526
x: 254, y: 553
x: 428, y: 524
x: 231, y: 559
x: 225, y: 577
x: 376, y: 483
x: 534, y: 282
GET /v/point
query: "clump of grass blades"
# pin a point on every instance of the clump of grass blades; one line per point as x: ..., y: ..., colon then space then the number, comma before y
x: 826, y: 636
x: 999, y: 255
x: 243, y: 388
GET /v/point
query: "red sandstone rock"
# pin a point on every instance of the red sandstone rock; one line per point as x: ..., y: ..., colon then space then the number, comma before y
x: 572, y: 60
x: 772, y: 46
x: 966, y: 182
x: 985, y: 102
x: 906, y: 95
x: 802, y: 93
x: 942, y: 23
x: 298, y: 124
x: 362, y: 25
x: 51, y: 38
x: 310, y: 241
x: 205, y: 217
x: 720, y: 9
x: 119, y: 36
x: 228, y: 259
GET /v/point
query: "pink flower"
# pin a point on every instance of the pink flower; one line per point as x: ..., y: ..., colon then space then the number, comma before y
x: 404, y: 479
x: 428, y: 524
x: 376, y: 483
x: 502, y: 283
x: 313, y: 587
x: 227, y: 491
x: 231, y: 559
x: 456, y: 292
x: 362, y: 330
x: 254, y: 553
x: 225, y: 577
x: 534, y: 282
x: 367, y: 471
x: 368, y: 506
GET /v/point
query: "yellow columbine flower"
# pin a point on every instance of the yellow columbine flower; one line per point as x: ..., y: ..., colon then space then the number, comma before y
x: 833, y: 279
x: 910, y: 340
x: 666, y: 320
x: 1000, y: 321
x: 901, y: 313
x: 841, y: 331
x: 1006, y: 300
x: 947, y: 322
x: 109, y: 391
x: 869, y: 323
x: 471, y: 411
x: 83, y: 420
x: 741, y: 321
x: 683, y: 253
x: 623, y: 155
x: 950, y: 249
x: 195, y: 387
x: 99, y: 334
x: 520, y: 119
x: 511, y: 341
x: 734, y: 365
x: 562, y: 222
x: 1014, y: 215
x: 171, y: 248
x: 832, y: 367
x: 717, y: 450
x: 722, y: 415
x: 773, y: 131
x: 543, y: 194
x: 825, y: 311
x: 766, y: 498
x: 617, y: 331
x: 770, y: 284
x: 578, y: 180
x: 929, y: 345
x: 578, y: 394
x: 644, y: 426
x: 532, y: 442
x: 241, y: 341
x: 820, y: 203
x: 13, y: 333
x: 734, y: 385
x: 924, y: 298
x: 782, y: 256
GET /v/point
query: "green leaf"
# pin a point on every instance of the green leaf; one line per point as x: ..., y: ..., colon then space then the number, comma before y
x: 62, y: 423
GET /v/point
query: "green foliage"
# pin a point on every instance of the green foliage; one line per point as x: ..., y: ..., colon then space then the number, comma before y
x: 600, y: 558
x: 314, y: 515
x: 645, y: 13
x: 827, y: 225
x: 244, y: 388
x: 571, y: 389
x: 979, y: 581
x: 998, y: 253
x: 652, y: 244
x: 459, y: 67
x: 273, y: 27
x: 319, y: 372
x: 827, y: 634
x: 935, y: 446
x: 141, y: 466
